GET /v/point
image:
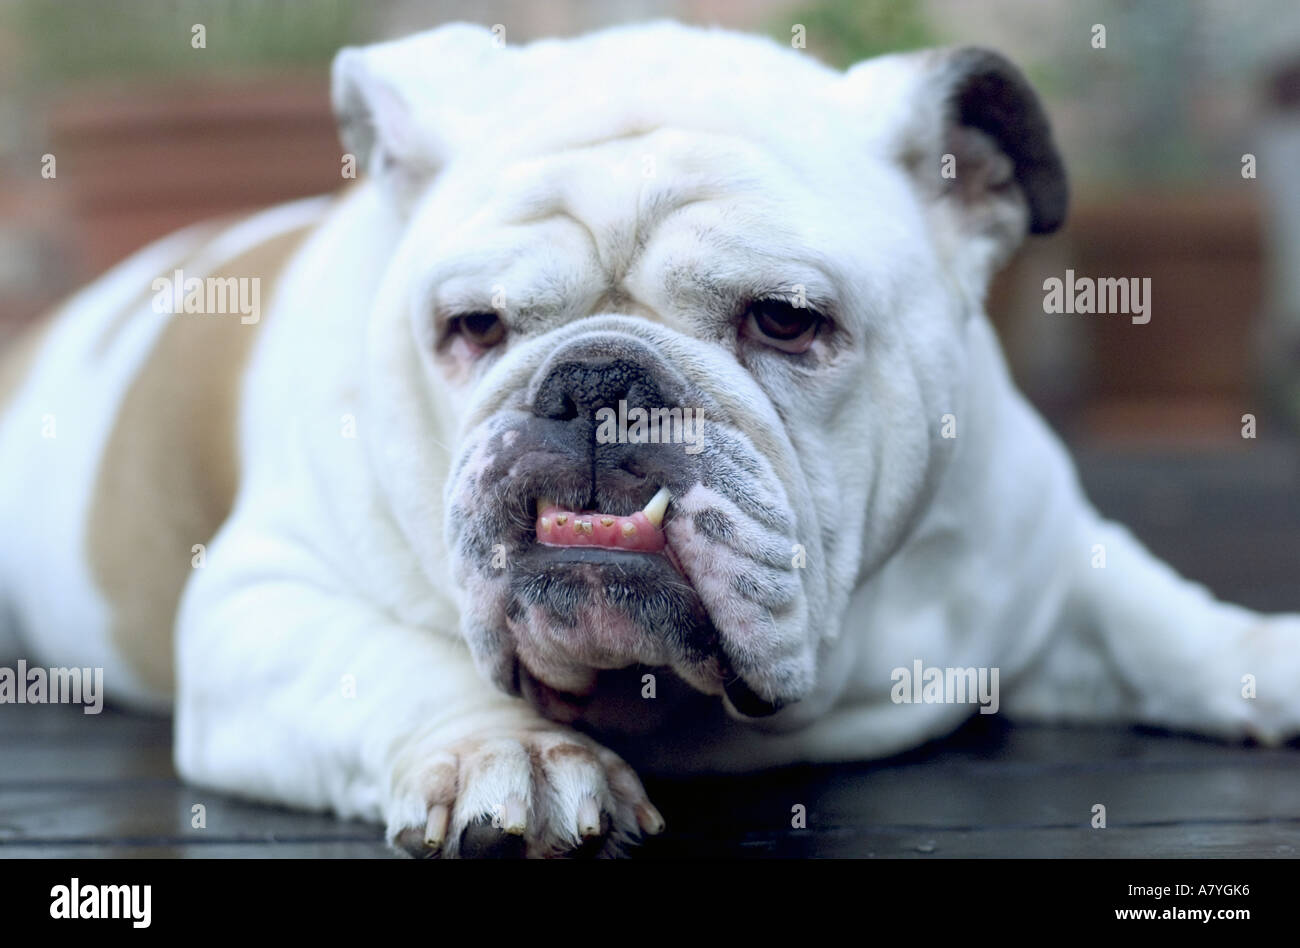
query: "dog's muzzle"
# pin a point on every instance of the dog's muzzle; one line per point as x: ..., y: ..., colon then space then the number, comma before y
x: 565, y: 511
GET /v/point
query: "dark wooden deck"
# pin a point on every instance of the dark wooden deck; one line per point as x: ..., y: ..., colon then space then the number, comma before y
x: 74, y: 785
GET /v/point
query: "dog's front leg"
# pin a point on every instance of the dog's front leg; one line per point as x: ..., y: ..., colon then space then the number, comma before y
x: 294, y: 692
x: 1138, y: 642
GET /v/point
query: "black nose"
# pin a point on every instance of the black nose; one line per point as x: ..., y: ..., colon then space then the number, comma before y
x: 579, y: 387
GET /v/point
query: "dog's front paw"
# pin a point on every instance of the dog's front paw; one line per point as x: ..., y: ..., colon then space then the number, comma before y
x: 541, y: 792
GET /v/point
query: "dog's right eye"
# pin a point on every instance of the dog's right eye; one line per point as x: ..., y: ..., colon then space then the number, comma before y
x: 481, y: 330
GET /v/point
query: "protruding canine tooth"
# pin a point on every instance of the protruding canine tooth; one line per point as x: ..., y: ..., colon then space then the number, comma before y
x: 607, y: 521
x: 629, y: 528
x: 582, y: 526
x: 654, y: 511
x: 546, y: 523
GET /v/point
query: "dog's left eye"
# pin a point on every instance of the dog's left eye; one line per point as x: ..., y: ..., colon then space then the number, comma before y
x: 781, y: 324
x: 482, y: 330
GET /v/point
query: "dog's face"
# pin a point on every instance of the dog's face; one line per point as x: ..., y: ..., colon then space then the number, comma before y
x: 694, y: 351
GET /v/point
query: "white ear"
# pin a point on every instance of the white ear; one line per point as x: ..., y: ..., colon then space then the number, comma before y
x: 391, y: 101
x: 968, y: 126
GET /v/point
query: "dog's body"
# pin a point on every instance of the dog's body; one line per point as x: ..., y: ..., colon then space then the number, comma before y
x: 878, y: 497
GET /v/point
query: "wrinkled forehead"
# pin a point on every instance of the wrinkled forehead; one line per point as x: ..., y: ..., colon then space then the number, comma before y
x: 661, y: 202
x: 620, y: 186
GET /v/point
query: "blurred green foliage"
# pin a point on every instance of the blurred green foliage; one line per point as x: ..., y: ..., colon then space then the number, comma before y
x: 89, y: 39
x: 842, y: 32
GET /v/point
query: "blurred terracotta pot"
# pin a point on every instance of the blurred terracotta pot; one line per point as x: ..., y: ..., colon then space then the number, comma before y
x: 140, y: 161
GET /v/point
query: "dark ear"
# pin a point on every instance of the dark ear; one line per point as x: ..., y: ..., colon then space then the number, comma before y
x: 987, y: 94
x: 390, y: 103
x: 968, y: 127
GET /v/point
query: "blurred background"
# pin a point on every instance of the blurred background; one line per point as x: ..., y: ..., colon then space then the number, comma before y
x: 150, y: 133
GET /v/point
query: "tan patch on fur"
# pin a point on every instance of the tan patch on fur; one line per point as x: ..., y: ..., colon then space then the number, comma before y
x: 18, y: 358
x: 561, y: 752
x: 169, y: 471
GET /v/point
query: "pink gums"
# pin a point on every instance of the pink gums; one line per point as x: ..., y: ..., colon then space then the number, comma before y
x: 559, y: 527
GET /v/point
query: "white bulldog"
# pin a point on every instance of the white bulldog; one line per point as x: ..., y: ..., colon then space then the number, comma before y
x: 641, y: 397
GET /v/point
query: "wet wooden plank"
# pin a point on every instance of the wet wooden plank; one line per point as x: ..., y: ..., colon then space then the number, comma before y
x: 59, y: 763
x: 26, y: 725
x: 284, y: 849
x: 1213, y: 841
x: 156, y: 809
x: 924, y: 797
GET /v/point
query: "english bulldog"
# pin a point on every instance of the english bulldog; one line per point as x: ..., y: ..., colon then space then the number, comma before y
x: 634, y: 412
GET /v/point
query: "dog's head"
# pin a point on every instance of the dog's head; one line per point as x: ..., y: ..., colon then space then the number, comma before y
x: 672, y: 327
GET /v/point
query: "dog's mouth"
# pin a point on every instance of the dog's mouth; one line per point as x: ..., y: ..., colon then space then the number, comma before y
x: 605, y: 589
x: 617, y: 559
x: 640, y: 532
